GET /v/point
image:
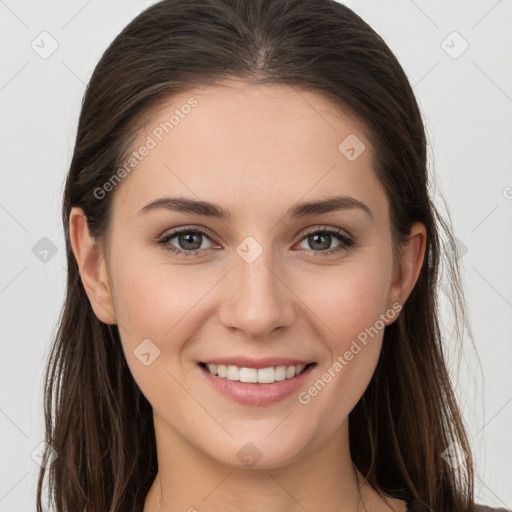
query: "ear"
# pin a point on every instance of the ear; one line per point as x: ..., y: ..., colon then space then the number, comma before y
x: 409, y: 266
x: 91, y: 264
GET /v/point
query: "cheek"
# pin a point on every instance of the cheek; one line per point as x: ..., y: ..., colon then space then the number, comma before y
x: 156, y: 307
x: 347, y: 299
x: 156, y: 302
x: 350, y: 304
x: 162, y: 303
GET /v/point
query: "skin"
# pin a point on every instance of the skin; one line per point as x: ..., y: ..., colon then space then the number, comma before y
x: 255, y: 150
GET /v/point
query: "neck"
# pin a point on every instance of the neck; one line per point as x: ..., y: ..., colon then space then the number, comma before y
x: 326, y: 479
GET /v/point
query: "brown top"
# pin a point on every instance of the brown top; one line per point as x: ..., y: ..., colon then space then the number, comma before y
x: 415, y: 507
x: 485, y: 508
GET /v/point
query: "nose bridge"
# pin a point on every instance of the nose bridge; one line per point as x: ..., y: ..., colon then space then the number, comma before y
x: 259, y: 300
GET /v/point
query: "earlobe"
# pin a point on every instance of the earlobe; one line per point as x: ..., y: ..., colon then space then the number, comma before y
x: 91, y: 263
x: 408, y: 268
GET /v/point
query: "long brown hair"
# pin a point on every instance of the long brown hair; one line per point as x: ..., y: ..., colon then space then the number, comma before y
x: 97, y: 419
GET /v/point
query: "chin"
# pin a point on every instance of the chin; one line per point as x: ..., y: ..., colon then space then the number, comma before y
x: 261, y: 452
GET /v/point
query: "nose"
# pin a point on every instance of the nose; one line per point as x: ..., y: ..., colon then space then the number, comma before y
x: 259, y: 300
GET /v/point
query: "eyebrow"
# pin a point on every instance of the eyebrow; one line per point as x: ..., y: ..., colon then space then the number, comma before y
x: 184, y: 204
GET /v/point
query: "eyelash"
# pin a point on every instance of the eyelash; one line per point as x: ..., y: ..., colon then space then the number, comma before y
x: 347, y: 241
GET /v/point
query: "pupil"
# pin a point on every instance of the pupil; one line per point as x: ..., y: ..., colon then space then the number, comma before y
x: 186, y: 239
x: 316, y: 238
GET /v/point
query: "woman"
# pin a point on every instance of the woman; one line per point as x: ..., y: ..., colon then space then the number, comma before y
x: 251, y: 315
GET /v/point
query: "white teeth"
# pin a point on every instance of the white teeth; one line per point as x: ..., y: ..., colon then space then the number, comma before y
x: 266, y: 375
x: 248, y: 375
x: 262, y: 375
x: 233, y: 372
x: 280, y: 372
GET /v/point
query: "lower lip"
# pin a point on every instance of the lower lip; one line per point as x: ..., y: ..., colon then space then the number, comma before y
x: 250, y: 393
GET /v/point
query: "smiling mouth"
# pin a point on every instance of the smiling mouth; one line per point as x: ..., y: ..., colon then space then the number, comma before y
x: 252, y: 375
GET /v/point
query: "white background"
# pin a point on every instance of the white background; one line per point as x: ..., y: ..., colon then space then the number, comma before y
x: 467, y: 107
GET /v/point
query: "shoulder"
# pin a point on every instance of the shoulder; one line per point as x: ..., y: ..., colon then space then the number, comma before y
x: 415, y: 507
x: 485, y: 508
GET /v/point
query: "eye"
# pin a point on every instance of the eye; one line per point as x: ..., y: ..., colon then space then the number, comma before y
x: 189, y: 241
x: 322, y: 239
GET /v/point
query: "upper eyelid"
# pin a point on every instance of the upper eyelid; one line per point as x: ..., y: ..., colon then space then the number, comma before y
x: 324, y: 227
x: 185, y: 229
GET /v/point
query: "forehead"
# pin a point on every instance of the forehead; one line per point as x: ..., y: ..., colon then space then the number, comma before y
x: 245, y: 145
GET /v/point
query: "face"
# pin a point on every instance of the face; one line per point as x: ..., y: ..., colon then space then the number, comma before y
x: 269, y: 283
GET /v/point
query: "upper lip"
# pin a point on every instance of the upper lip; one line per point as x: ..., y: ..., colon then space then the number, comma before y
x: 266, y: 362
